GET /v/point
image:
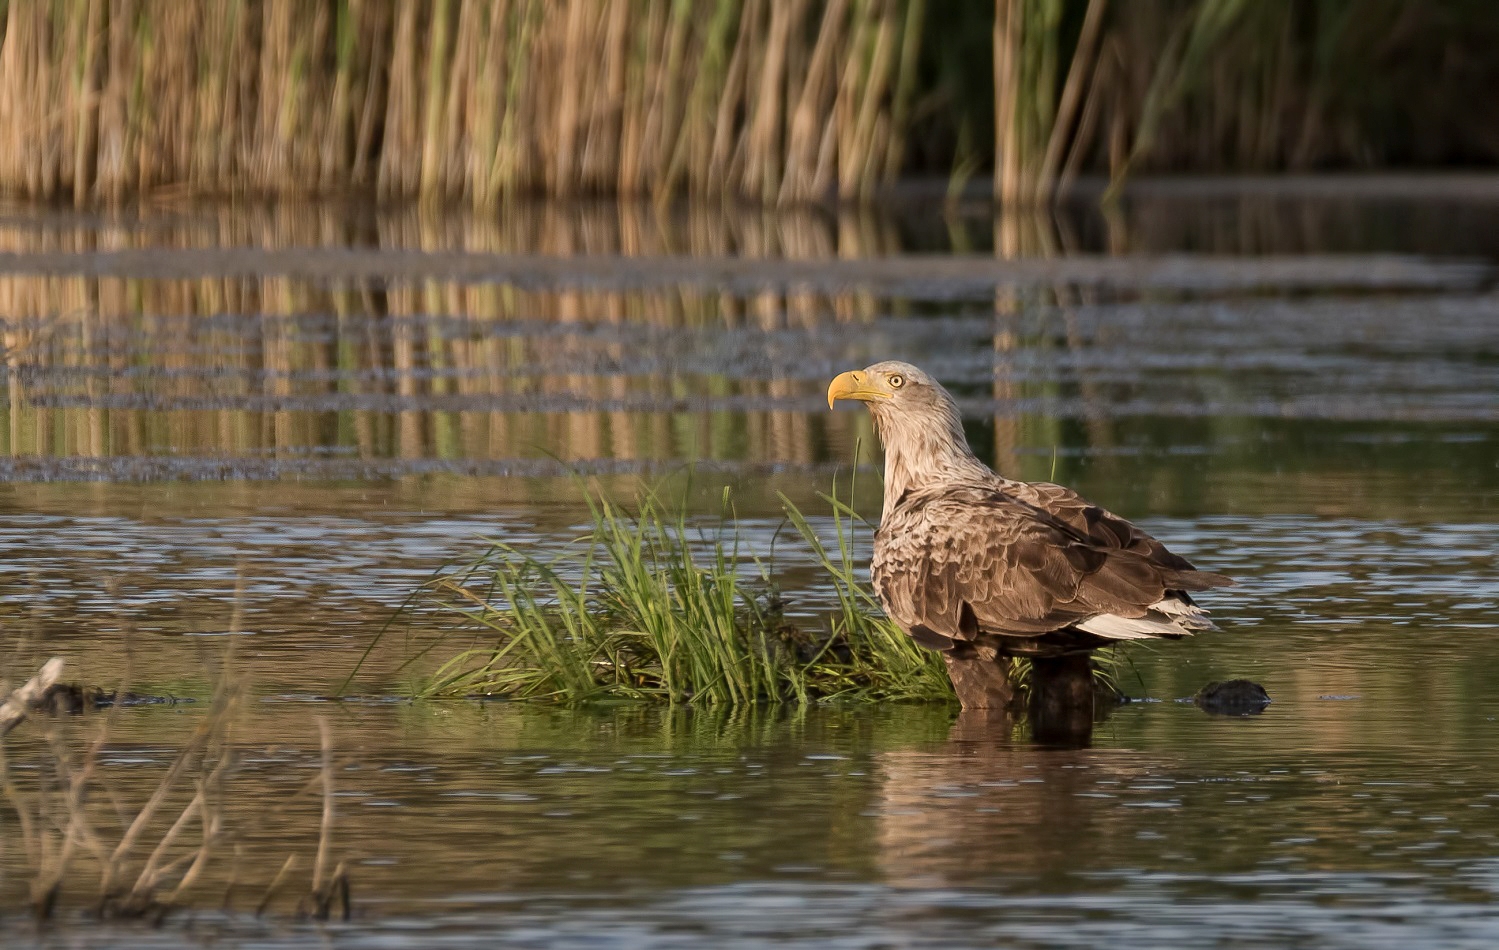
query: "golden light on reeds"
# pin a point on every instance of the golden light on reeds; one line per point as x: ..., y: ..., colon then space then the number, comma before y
x: 778, y: 101
x: 455, y: 99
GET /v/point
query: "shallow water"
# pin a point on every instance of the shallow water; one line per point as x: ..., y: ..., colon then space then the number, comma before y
x: 211, y: 464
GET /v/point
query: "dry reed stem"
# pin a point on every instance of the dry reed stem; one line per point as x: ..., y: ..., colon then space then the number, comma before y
x: 1084, y: 61
x: 128, y: 841
x: 21, y: 700
x: 274, y: 887
x: 325, y: 834
x: 326, y: 893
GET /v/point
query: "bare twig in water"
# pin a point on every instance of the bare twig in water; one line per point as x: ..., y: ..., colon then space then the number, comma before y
x: 330, y: 890
x: 275, y: 885
x: 325, y: 834
x: 146, y: 860
x: 121, y: 854
x: 57, y: 818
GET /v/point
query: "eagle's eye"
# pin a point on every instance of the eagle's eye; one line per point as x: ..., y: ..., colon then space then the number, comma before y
x: 895, y: 380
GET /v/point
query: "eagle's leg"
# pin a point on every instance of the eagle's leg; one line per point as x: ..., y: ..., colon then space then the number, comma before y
x: 1062, y: 697
x: 981, y: 677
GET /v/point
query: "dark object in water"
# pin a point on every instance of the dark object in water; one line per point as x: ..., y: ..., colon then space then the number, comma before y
x: 1233, y: 698
x: 44, y: 694
x: 68, y: 698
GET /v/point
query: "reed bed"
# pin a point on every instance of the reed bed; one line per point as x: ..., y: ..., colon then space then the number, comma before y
x: 456, y: 99
x: 776, y: 101
x: 650, y: 606
x: 1222, y: 85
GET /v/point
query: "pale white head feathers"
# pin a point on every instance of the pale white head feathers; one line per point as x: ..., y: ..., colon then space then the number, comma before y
x: 918, y: 424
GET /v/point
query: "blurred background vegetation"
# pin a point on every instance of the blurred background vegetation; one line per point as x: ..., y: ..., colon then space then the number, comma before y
x: 778, y: 101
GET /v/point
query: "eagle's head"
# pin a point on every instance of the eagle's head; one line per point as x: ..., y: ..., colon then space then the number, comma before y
x: 894, y: 389
x: 917, y: 421
x: 915, y: 417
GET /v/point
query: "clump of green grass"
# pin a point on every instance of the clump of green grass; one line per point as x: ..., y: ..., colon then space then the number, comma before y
x: 650, y: 606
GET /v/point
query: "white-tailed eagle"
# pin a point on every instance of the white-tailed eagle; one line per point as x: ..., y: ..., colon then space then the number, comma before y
x: 982, y: 567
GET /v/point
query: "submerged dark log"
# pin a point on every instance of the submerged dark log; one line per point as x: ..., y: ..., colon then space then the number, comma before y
x: 68, y: 698
x: 73, y: 698
x: 1233, y: 698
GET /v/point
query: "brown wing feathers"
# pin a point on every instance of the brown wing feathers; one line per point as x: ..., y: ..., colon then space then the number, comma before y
x: 1100, y: 525
x: 949, y: 560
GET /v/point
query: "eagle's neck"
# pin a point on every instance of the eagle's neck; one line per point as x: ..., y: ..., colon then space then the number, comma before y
x: 921, y: 451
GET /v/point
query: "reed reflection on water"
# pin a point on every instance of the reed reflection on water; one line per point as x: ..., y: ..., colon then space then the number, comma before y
x: 347, y: 377
x: 102, y: 366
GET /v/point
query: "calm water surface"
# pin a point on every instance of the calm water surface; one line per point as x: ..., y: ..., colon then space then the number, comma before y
x: 206, y: 467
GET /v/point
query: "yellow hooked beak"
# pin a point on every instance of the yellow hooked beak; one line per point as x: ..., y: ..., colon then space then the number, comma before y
x: 855, y: 384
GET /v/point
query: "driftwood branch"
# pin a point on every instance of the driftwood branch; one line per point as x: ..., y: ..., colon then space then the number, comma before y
x: 20, y: 702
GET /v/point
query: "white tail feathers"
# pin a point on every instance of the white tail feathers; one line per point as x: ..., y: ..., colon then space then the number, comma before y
x: 1165, y: 618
